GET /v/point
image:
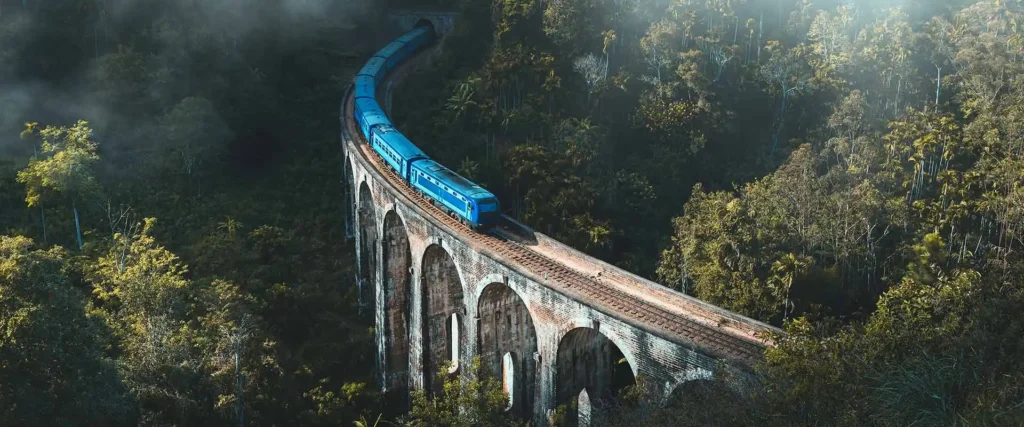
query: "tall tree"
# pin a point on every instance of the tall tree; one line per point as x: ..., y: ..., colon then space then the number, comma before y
x: 65, y: 168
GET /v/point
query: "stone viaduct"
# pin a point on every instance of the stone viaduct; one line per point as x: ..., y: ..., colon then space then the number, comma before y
x: 557, y: 326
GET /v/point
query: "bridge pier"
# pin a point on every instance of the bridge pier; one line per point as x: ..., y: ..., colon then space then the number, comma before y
x: 547, y: 353
x: 416, y: 336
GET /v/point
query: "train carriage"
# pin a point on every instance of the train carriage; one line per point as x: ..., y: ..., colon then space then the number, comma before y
x: 368, y: 114
x: 460, y: 197
x: 365, y: 87
x: 375, y: 69
x: 417, y: 38
x: 396, y: 150
x: 393, y: 54
x: 472, y: 203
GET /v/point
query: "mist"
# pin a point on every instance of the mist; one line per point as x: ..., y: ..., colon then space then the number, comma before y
x: 55, y: 73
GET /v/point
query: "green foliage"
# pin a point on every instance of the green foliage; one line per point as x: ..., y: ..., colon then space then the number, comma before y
x: 68, y: 155
x: 194, y: 132
x: 472, y: 399
x: 851, y: 171
x: 53, y: 354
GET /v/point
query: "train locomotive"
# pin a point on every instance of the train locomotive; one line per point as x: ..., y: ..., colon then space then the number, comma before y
x: 470, y: 203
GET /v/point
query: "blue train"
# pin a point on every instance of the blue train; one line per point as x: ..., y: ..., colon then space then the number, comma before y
x: 458, y: 196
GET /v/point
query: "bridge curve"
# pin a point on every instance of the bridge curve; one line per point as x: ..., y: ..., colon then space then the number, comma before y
x: 550, y: 321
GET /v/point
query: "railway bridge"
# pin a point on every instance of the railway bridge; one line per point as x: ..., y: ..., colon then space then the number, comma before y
x: 556, y: 325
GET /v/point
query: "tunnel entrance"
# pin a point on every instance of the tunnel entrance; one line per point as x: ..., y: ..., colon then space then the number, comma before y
x: 507, y: 344
x: 397, y: 292
x: 442, y: 296
x: 424, y: 22
x: 368, y: 255
x: 588, y: 360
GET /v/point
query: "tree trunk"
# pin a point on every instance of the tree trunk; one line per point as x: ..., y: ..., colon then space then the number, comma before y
x: 78, y: 227
x: 42, y: 215
x: 899, y: 88
x: 760, y: 33
x: 782, y: 120
x: 238, y: 388
x: 736, y: 30
x: 938, y: 87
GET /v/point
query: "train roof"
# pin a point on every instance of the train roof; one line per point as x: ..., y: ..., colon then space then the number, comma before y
x: 389, y: 50
x: 365, y: 87
x: 416, y: 32
x: 372, y: 114
x: 369, y: 106
x: 372, y: 67
x: 456, y: 181
x: 399, y: 142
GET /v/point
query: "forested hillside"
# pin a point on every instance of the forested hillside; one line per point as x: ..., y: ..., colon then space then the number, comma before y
x: 172, y: 244
x: 850, y: 169
x: 210, y: 279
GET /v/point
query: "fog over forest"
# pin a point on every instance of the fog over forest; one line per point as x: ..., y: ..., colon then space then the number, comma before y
x: 173, y: 248
x: 50, y: 79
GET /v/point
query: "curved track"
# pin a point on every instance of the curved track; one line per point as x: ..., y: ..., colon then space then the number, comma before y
x: 646, y: 305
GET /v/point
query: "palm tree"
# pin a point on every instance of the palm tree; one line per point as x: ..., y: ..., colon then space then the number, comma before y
x: 783, y: 272
x: 461, y: 101
x: 230, y: 225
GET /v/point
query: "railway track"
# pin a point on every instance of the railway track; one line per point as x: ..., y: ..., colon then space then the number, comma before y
x: 706, y: 333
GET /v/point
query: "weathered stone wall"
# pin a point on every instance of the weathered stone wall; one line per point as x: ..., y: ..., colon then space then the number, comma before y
x: 397, y: 288
x: 449, y: 276
x: 444, y: 315
x: 505, y: 326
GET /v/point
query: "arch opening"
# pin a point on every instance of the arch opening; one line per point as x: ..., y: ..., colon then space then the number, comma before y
x: 453, y: 343
x: 508, y: 379
x: 589, y: 361
x: 443, y: 298
x: 397, y: 303
x: 350, y: 205
x: 693, y: 393
x: 367, y: 254
x: 583, y: 409
x: 507, y: 343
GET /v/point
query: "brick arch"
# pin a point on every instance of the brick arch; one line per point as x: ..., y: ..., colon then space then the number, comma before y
x: 506, y: 326
x: 367, y: 252
x: 588, y: 359
x: 397, y: 296
x: 611, y: 334
x: 695, y: 389
x: 443, y: 296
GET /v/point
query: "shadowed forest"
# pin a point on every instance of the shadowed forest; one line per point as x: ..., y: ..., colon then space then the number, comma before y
x: 172, y: 240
